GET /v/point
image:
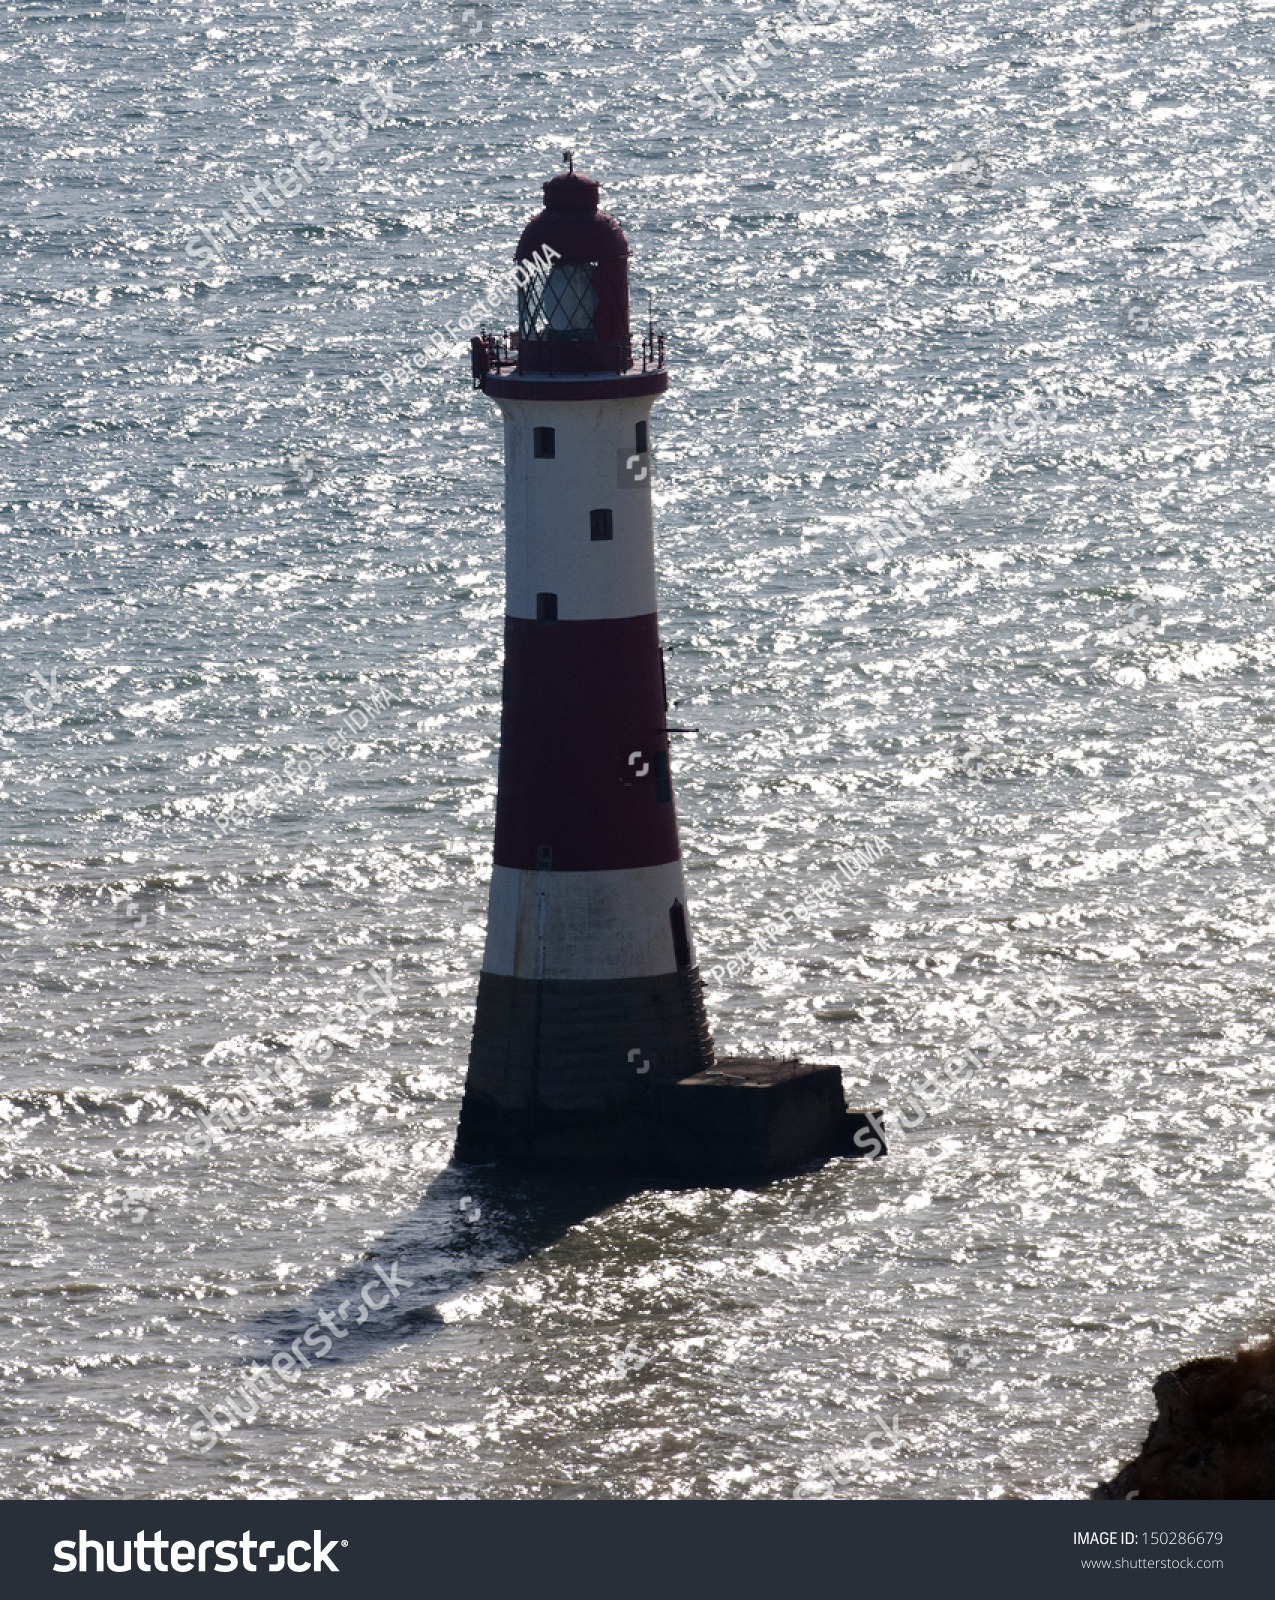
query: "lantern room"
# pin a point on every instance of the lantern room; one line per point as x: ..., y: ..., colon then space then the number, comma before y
x: 572, y: 268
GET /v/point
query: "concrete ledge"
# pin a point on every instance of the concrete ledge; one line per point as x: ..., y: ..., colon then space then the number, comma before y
x: 740, y: 1120
x: 749, y: 1117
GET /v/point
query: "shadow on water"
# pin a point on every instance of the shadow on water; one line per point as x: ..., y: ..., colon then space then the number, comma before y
x: 471, y: 1222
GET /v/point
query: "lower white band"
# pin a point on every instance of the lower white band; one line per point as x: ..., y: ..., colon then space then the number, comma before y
x: 584, y: 925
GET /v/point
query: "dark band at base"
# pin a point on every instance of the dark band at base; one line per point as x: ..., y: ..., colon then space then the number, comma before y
x: 563, y: 1070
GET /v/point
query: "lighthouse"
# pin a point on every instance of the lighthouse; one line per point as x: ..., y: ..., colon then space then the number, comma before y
x: 589, y: 993
x: 591, y: 1044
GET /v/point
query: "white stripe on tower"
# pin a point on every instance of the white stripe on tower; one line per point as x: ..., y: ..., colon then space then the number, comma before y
x: 549, y: 502
x: 592, y: 925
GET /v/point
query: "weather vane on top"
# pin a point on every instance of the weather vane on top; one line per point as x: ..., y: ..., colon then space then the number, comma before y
x: 569, y: 156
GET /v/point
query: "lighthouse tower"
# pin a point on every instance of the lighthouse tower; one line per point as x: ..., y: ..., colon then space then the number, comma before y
x: 589, y: 1001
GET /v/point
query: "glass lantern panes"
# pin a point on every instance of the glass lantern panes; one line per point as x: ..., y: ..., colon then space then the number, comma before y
x: 560, y: 305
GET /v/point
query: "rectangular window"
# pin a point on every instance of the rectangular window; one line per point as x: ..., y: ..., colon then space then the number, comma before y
x: 544, y: 858
x: 600, y: 525
x: 544, y: 444
x: 546, y: 607
x: 641, y: 441
x: 663, y: 785
x: 681, y: 937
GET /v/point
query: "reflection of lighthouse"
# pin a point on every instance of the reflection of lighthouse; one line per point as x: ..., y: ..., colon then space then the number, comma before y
x: 589, y: 996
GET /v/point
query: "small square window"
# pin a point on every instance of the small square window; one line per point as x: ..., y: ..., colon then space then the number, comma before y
x: 546, y: 607
x: 544, y: 444
x: 641, y: 441
x: 600, y: 526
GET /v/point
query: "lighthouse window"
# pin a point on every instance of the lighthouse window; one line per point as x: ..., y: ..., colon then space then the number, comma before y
x: 641, y: 442
x: 681, y: 938
x: 544, y: 444
x: 600, y: 525
x: 546, y: 607
x: 561, y: 305
x: 659, y: 768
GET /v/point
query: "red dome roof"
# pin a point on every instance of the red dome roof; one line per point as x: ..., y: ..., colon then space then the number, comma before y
x: 572, y: 191
x: 572, y: 224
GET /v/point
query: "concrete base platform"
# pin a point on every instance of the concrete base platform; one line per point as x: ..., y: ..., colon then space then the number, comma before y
x: 753, y: 1117
x: 740, y: 1120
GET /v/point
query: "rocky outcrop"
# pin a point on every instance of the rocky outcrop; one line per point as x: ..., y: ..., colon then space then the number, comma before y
x: 1214, y: 1436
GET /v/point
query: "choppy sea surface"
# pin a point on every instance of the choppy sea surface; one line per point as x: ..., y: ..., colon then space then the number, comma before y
x: 964, y: 489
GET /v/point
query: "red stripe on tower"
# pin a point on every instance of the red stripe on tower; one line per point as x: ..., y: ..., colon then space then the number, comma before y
x: 589, y: 993
x: 584, y: 751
